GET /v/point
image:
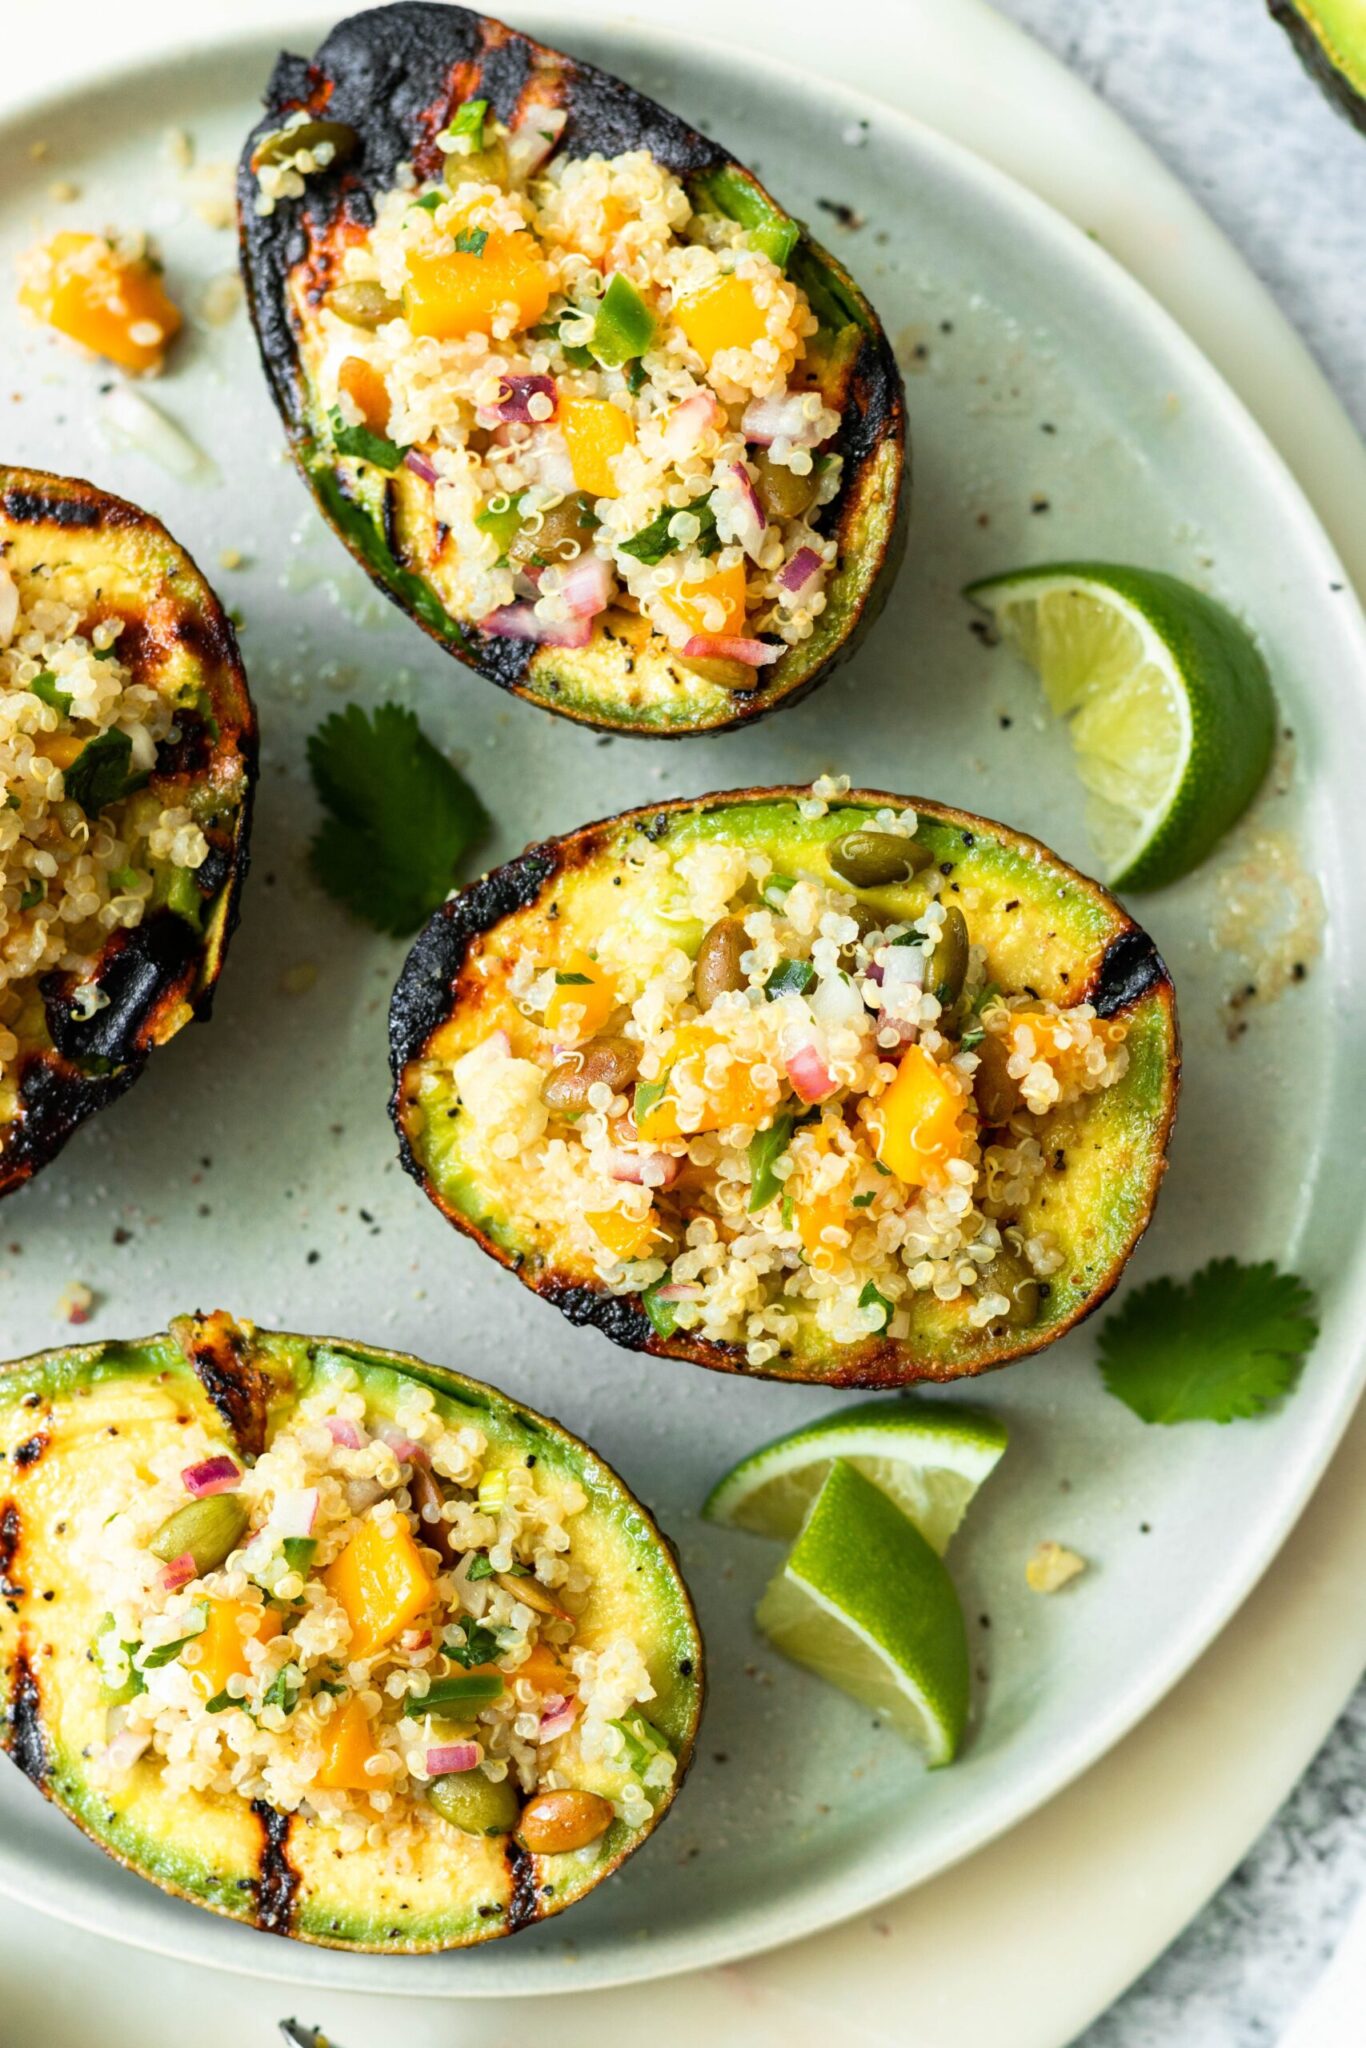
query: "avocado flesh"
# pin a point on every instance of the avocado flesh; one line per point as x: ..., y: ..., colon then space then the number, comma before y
x: 278, y: 1871
x: 1044, y: 927
x: 626, y: 679
x: 177, y: 639
x: 1330, y: 37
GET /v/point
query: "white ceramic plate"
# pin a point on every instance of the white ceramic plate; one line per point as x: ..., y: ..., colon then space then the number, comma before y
x: 812, y: 1813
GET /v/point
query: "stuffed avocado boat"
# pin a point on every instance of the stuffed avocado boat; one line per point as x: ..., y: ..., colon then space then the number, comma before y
x: 127, y: 760
x: 351, y: 1647
x: 572, y: 387
x: 816, y: 1084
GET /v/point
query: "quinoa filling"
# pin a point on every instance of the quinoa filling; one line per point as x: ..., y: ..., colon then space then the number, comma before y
x: 374, y: 1625
x: 85, y: 846
x: 605, y: 393
x: 756, y: 1100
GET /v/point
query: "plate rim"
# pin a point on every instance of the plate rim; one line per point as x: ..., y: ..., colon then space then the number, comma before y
x: 1136, y: 305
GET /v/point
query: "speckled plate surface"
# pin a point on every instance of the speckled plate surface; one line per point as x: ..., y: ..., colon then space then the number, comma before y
x: 1054, y: 410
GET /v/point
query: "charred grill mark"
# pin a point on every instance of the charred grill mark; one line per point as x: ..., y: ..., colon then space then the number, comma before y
x: 10, y: 1532
x: 618, y: 1316
x: 26, y: 1743
x: 31, y: 1451
x: 42, y: 508
x: 138, y: 971
x: 1131, y: 967
x: 218, y: 1351
x: 422, y: 996
x: 187, y: 756
x: 522, y: 1902
x: 275, y: 1888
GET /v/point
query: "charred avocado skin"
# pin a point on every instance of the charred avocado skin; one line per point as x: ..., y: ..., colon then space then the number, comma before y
x: 393, y: 75
x: 1044, y: 925
x: 1330, y: 37
x: 75, y: 1423
x: 162, y: 973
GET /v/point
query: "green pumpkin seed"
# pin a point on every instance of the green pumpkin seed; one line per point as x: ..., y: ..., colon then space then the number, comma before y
x: 209, y: 1529
x: 474, y: 1804
x: 718, y: 961
x: 362, y: 303
x: 996, y: 1090
x: 946, y: 964
x: 873, y: 860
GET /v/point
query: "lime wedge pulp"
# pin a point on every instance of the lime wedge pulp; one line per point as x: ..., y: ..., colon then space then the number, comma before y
x: 865, y: 1603
x: 1167, y: 699
x: 930, y: 1459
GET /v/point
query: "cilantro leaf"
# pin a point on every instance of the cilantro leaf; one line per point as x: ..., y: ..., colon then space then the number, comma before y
x: 402, y: 816
x: 102, y: 772
x: 1224, y: 1344
x: 44, y: 685
x: 648, y: 1093
x: 471, y: 241
x: 363, y: 444
x: 481, y: 1645
x: 871, y: 1298
x: 663, y: 1315
x: 789, y: 978
x: 655, y: 541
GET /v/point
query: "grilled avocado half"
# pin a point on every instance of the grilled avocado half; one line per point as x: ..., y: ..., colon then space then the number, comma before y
x: 1043, y: 930
x: 386, y: 83
x: 1330, y: 36
x: 74, y: 1055
x: 84, y: 1425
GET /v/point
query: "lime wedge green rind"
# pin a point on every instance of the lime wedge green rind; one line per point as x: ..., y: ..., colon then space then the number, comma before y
x: 866, y: 1604
x: 929, y: 1458
x: 1168, y: 701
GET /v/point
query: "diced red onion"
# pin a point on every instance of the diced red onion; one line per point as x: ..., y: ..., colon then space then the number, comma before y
x: 782, y: 417
x: 809, y: 1075
x: 751, y: 522
x: 445, y: 1757
x: 680, y: 1290
x: 587, y: 586
x: 689, y: 421
x: 123, y: 1751
x: 343, y: 1431
x: 400, y: 1443
x: 727, y: 647
x: 805, y: 566
x: 515, y: 396
x: 420, y: 466
x: 534, y: 138
x: 630, y: 1166
x: 557, y: 1716
x: 295, y: 1511
x: 179, y: 1571
x: 520, y: 622
x: 414, y: 1639
x: 214, y: 1475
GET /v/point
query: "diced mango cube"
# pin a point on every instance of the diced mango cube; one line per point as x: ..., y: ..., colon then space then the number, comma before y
x: 222, y: 1645
x: 693, y: 602
x: 724, y: 314
x: 455, y: 292
x: 381, y: 1582
x: 583, y: 1000
x: 112, y: 304
x: 919, y: 1117
x: 737, y: 1100
x: 367, y: 390
x: 623, y: 1236
x: 595, y: 433
x: 347, y: 1747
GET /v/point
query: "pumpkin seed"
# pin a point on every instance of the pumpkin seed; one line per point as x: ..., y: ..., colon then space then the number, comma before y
x: 718, y: 961
x: 362, y: 303
x: 209, y: 1529
x: 946, y: 963
x: 872, y: 860
x: 553, y: 1822
x: 613, y: 1061
x: 487, y: 166
x: 474, y: 1803
x: 309, y: 135
x: 782, y: 493
x: 997, y: 1092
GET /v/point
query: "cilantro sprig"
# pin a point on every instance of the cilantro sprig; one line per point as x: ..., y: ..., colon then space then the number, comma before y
x: 364, y: 443
x: 402, y: 817
x: 1223, y: 1345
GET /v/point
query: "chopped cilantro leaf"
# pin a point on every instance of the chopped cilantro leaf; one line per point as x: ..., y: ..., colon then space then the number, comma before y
x: 471, y: 241
x: 480, y: 1568
x: 641, y: 1741
x: 655, y: 541
x: 430, y: 201
x: 282, y: 1690
x: 573, y: 981
x: 467, y: 125
x: 789, y: 978
x: 870, y: 1298
x: 33, y: 895
x: 481, y: 1645
x: 44, y: 685
x: 663, y: 1314
x: 648, y: 1093
x: 220, y: 1703
x: 1222, y: 1345
x: 102, y: 772
x: 863, y: 1201
x: 402, y: 817
x: 298, y: 1552
x: 363, y: 444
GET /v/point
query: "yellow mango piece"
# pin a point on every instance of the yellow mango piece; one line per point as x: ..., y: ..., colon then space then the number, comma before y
x: 595, y: 432
x: 544, y: 1670
x: 381, y: 1582
x: 587, y: 1003
x: 622, y: 1235
x: 365, y: 387
x: 116, y: 306
x: 736, y: 1101
x: 454, y: 292
x: 724, y: 314
x: 691, y: 602
x: 347, y: 1748
x: 222, y: 1646
x: 920, y: 1131
x: 61, y: 748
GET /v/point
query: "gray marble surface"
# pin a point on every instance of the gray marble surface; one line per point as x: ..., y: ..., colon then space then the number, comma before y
x: 1216, y: 89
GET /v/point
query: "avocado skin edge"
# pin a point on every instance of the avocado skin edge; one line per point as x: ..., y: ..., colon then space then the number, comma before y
x: 1130, y: 970
x: 1313, y: 53
x: 382, y: 71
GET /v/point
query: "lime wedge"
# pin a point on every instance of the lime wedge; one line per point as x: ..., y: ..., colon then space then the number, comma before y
x: 865, y: 1603
x: 929, y: 1459
x: 1168, y: 702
